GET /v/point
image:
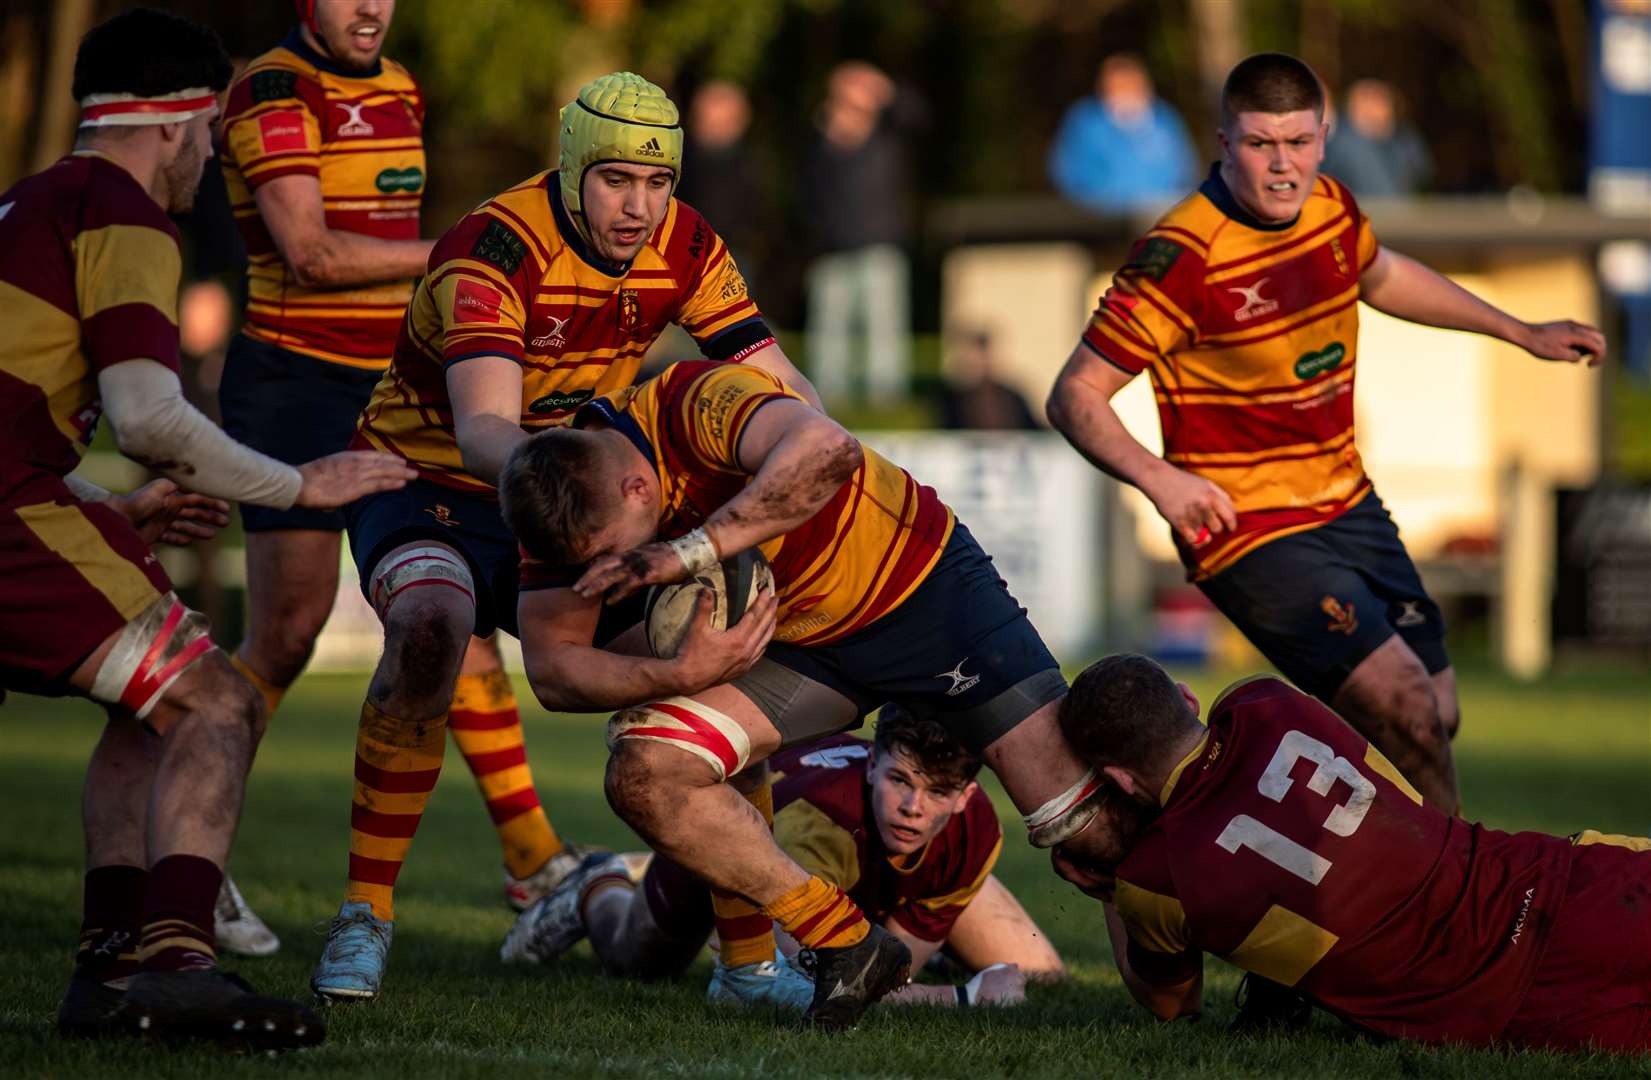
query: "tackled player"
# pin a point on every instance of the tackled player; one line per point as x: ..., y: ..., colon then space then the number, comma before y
x: 89, y: 267
x: 882, y: 596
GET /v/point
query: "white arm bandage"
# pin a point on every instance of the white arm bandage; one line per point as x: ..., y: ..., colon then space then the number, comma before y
x: 155, y: 426
x: 85, y: 489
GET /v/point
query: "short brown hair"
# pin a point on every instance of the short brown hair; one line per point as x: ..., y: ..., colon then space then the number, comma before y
x: 548, y: 494
x: 1271, y: 83
x: 1124, y: 710
x: 928, y: 742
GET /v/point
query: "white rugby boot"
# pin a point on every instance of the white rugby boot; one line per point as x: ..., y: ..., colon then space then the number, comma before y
x: 238, y: 927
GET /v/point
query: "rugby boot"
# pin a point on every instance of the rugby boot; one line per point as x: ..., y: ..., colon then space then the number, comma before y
x: 521, y: 893
x: 238, y: 927
x: 1266, y: 1006
x: 352, y: 962
x: 848, y: 981
x: 765, y: 984
x: 555, y: 924
x: 212, y: 1004
x: 89, y: 1006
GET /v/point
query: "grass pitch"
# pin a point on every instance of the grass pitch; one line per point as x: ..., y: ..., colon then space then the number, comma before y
x: 1557, y: 755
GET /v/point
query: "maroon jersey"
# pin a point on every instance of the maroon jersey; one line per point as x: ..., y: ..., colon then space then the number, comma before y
x: 1290, y: 846
x: 823, y: 820
x: 89, y: 270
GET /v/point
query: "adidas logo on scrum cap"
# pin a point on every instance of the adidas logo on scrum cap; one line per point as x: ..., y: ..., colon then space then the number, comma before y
x: 650, y: 149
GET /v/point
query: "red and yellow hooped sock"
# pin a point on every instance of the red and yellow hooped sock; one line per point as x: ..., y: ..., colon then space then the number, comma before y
x: 487, y: 727
x: 397, y: 763
x: 744, y: 934
x: 820, y: 916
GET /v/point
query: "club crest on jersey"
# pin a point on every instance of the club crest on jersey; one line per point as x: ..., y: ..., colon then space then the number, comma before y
x: 1342, y: 265
x: 630, y: 310
x: 1343, y: 620
x: 1254, y: 304
x: 354, y: 124
x: 552, y: 338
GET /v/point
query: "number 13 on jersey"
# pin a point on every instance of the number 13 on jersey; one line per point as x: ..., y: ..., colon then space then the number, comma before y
x: 1343, y: 819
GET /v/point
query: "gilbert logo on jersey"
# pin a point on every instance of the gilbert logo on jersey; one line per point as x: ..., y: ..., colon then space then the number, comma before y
x: 1255, y: 305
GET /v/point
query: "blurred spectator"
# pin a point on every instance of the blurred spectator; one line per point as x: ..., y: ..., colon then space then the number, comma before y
x: 206, y: 319
x: 854, y: 194
x: 719, y: 178
x: 973, y: 398
x: 1371, y: 150
x: 1122, y: 148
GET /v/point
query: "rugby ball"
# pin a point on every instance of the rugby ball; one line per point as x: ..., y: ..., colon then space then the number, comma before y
x: 733, y: 584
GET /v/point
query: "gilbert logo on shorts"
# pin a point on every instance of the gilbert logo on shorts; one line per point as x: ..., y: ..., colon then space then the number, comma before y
x: 1343, y: 619
x: 282, y: 129
x: 650, y: 149
x: 960, y: 681
x: 1255, y: 305
x: 1410, y: 614
x: 474, y: 302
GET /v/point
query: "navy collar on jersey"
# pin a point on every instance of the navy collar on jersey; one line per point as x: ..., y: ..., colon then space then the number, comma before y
x: 571, y: 234
x: 620, y: 420
x: 296, y: 43
x: 1216, y: 191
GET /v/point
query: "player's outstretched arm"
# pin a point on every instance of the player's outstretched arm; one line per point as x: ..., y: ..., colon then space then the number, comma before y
x: 772, y: 359
x: 1080, y: 408
x: 155, y: 426
x: 569, y: 673
x: 324, y: 258
x: 1404, y: 288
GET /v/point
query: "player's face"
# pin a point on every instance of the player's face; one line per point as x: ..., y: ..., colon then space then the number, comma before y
x: 183, y: 174
x: 1270, y: 160
x: 624, y: 203
x: 910, y: 808
x: 353, y: 30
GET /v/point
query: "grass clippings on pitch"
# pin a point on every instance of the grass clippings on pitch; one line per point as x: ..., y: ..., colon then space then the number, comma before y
x: 1559, y: 755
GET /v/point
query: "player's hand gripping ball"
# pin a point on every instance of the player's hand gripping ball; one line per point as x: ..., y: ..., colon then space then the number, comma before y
x: 733, y: 584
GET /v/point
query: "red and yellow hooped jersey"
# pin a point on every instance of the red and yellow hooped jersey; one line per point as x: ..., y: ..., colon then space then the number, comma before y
x: 1292, y: 847
x: 293, y: 112
x: 853, y: 562
x: 514, y: 279
x: 822, y: 820
x: 89, y: 268
x: 1250, y: 334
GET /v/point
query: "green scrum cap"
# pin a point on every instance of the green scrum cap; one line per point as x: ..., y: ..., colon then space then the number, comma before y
x: 618, y: 117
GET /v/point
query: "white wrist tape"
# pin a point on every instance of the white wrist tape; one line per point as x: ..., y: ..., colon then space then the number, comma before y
x: 1062, y: 817
x: 971, y: 989
x: 696, y: 551
x: 157, y: 427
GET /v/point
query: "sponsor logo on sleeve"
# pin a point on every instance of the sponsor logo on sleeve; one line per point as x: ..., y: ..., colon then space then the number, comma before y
x: 1329, y: 358
x: 1157, y: 256
x: 273, y: 85
x: 733, y: 283
x: 474, y: 302
x: 282, y: 130
x: 499, y: 246
x: 409, y: 179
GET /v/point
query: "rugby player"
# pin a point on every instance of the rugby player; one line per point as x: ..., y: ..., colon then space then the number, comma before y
x: 899, y: 824
x: 1242, y: 302
x: 89, y: 270
x: 535, y: 302
x: 882, y: 596
x: 325, y: 167
x: 1279, y: 838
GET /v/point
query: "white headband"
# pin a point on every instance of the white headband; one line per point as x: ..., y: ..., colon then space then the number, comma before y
x: 130, y: 110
